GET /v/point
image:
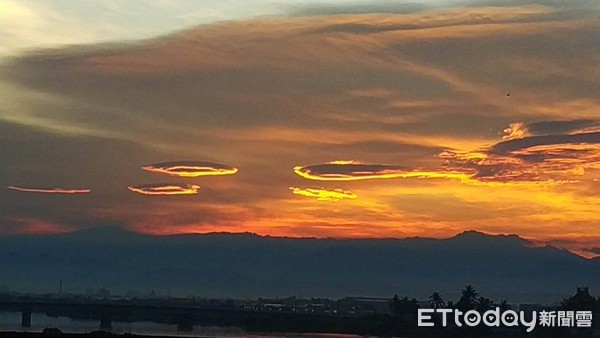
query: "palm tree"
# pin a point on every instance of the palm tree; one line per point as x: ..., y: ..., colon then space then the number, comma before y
x: 468, y: 298
x: 401, y: 306
x: 436, y: 301
x: 395, y: 305
x: 504, y: 305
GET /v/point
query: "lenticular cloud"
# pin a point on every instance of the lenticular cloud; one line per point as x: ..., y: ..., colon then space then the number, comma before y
x: 349, y: 171
x: 190, y: 169
x: 165, y: 189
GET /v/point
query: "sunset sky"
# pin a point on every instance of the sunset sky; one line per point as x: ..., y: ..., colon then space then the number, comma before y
x: 303, y: 118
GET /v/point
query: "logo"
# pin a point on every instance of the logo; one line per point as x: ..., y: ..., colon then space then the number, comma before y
x: 508, y: 318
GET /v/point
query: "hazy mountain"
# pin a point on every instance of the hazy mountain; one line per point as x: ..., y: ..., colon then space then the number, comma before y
x: 247, y: 265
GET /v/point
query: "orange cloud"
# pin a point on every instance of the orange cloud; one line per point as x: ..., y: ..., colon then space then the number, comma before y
x: 51, y: 190
x: 542, y: 157
x: 322, y: 194
x: 354, y: 171
x: 165, y: 189
x: 190, y: 169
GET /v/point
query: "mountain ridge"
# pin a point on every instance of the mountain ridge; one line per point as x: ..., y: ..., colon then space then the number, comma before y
x: 251, y: 266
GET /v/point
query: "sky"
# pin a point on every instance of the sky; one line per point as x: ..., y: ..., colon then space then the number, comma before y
x: 340, y: 119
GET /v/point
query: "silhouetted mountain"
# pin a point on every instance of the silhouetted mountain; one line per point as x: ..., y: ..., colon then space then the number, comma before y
x: 472, y: 237
x: 247, y: 265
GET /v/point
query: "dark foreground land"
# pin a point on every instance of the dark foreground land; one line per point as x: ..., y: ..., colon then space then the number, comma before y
x: 73, y: 335
x: 294, y: 317
x: 422, y: 333
x: 265, y: 320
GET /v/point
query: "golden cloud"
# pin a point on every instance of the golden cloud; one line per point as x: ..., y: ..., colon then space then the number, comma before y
x: 190, y: 169
x: 322, y: 194
x: 515, y: 130
x: 354, y: 171
x: 51, y: 190
x: 165, y: 189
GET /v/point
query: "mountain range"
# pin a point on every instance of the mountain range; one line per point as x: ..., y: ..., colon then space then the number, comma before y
x: 251, y: 266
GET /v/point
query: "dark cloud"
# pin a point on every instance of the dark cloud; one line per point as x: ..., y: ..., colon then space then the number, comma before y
x: 506, y: 147
x: 520, y: 130
x: 563, y: 127
x: 349, y: 171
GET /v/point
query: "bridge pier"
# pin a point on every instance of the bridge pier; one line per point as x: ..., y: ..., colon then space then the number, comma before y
x: 105, y: 324
x: 26, y: 318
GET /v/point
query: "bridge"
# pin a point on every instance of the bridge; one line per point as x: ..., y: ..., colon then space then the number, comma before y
x: 106, y: 312
x: 185, y: 316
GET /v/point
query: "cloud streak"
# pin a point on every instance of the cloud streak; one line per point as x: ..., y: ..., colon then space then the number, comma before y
x: 60, y: 191
x: 322, y: 194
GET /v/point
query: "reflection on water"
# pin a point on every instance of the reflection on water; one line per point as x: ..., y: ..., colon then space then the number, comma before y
x: 11, y: 321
